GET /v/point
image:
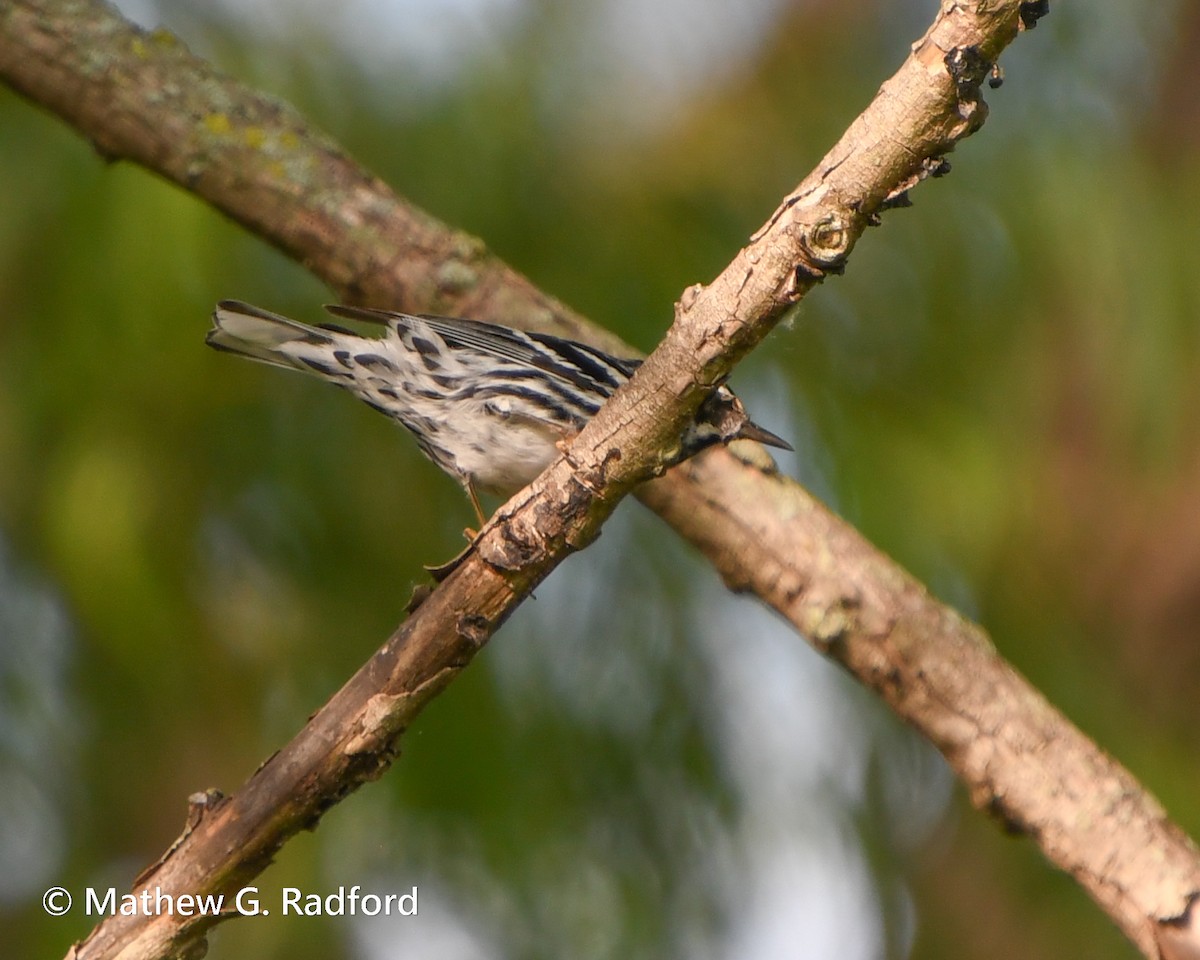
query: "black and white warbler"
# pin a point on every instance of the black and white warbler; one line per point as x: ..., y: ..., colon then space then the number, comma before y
x: 486, y: 403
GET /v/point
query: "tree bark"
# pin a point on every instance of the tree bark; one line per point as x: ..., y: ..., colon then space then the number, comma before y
x: 142, y: 97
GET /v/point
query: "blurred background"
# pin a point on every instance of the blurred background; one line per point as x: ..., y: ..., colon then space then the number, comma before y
x: 1002, y: 392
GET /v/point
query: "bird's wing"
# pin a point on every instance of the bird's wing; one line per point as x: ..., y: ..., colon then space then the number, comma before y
x: 566, y: 360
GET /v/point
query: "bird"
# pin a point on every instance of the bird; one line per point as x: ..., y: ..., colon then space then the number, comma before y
x: 491, y: 405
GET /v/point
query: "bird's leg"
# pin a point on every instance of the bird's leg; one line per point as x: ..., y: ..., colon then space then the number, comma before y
x: 470, y: 488
x: 443, y: 570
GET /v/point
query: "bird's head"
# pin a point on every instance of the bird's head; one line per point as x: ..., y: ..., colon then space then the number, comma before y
x: 722, y: 418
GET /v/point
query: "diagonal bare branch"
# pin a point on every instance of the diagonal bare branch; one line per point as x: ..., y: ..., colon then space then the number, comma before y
x: 143, y: 97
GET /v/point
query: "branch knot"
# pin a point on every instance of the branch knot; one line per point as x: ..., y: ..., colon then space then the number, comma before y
x: 826, y: 243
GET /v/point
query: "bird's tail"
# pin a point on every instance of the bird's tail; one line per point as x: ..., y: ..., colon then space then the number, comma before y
x: 249, y: 331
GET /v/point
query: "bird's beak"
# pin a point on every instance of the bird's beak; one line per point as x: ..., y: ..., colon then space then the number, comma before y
x: 752, y: 431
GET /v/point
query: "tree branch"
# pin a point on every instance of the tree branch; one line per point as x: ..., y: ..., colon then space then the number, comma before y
x: 143, y: 97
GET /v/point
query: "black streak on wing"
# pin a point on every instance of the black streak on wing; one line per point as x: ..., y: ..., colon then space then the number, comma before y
x: 373, y: 361
x: 592, y: 364
x: 321, y: 368
x: 425, y: 348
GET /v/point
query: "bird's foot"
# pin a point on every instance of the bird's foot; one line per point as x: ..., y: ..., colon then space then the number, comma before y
x: 441, y: 571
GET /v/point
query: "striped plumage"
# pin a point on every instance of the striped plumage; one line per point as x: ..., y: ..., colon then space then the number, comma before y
x: 486, y: 403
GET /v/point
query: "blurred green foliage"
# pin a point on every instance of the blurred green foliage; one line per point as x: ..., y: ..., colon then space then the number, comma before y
x: 1001, y: 392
